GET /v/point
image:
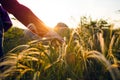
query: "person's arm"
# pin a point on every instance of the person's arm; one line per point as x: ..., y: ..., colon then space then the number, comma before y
x: 24, y: 15
x: 27, y: 17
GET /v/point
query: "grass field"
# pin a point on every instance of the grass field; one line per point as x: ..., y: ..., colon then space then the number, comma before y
x: 90, y: 52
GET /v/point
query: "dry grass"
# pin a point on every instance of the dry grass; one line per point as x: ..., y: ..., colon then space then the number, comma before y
x: 84, y: 56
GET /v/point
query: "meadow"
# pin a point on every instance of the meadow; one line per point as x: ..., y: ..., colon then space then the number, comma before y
x: 90, y: 52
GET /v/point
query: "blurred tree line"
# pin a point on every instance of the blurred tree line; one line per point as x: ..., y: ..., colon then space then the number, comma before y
x: 15, y: 37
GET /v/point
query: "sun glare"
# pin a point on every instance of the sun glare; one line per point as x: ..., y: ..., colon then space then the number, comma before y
x: 53, y: 11
x: 46, y: 11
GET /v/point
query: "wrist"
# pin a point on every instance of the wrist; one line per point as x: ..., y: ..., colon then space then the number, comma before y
x: 40, y: 31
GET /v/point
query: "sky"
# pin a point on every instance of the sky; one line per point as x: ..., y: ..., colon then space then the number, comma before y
x: 69, y: 11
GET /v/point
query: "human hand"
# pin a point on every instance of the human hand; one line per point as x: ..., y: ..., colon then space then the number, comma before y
x: 49, y: 35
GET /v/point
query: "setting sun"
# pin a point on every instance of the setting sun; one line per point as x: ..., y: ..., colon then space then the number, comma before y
x: 53, y: 11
